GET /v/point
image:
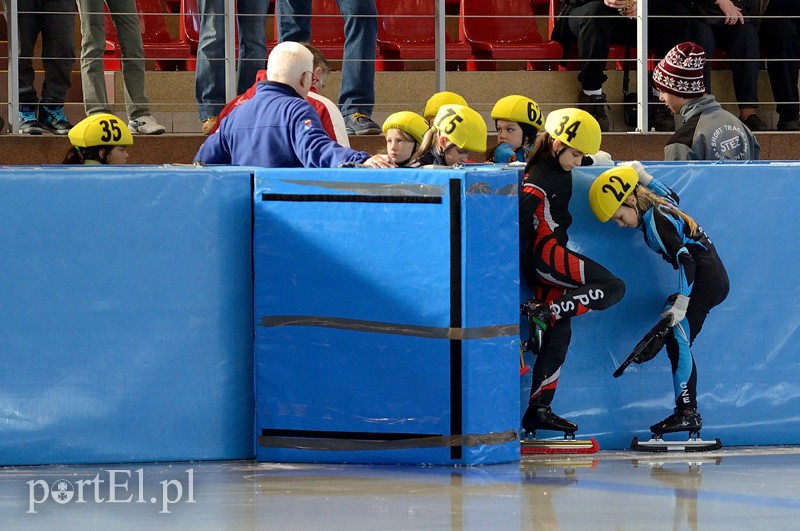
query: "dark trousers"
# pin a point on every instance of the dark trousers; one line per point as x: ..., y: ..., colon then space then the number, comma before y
x: 741, y: 42
x: 45, y: 18
x: 597, y: 26
x: 780, y: 39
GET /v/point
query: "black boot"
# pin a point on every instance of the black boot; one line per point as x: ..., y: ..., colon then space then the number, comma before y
x: 539, y: 417
x: 682, y: 420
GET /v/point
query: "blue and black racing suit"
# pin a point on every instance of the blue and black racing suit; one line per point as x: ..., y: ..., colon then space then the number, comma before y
x: 702, y: 278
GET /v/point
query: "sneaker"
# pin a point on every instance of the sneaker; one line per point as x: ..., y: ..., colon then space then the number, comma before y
x: 145, y: 125
x: 539, y: 417
x: 54, y: 119
x: 789, y: 123
x: 539, y: 319
x: 360, y: 124
x: 682, y: 420
x: 29, y: 124
x: 208, y: 124
x: 662, y: 119
x: 754, y: 123
x: 596, y: 106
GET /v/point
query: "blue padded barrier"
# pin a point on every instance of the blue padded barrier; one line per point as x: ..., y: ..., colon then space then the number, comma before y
x: 386, y: 316
x: 127, y: 314
x: 748, y: 353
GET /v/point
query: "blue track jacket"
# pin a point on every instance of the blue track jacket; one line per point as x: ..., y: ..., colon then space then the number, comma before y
x: 275, y: 129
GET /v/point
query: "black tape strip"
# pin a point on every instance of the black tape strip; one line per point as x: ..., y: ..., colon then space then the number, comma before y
x: 456, y: 385
x: 349, y: 198
x: 378, y: 327
x: 357, y: 441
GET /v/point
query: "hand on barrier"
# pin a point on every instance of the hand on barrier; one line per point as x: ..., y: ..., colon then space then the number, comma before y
x: 677, y: 311
x: 644, y: 177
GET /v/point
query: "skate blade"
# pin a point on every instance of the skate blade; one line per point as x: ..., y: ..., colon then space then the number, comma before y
x: 565, y: 446
x: 690, y: 445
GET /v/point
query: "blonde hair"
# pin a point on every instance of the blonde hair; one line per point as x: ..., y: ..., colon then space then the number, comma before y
x: 428, y: 141
x: 645, y: 199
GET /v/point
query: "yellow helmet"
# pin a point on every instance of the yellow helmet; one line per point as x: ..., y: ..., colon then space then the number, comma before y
x: 463, y: 126
x: 410, y: 122
x: 439, y: 99
x: 101, y: 129
x: 518, y: 109
x: 576, y: 128
x: 610, y: 189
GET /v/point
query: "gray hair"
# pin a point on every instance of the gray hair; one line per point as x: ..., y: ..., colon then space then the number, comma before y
x: 287, y: 61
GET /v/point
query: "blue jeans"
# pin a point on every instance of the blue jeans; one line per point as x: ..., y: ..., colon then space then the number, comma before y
x: 357, y: 92
x: 210, y: 68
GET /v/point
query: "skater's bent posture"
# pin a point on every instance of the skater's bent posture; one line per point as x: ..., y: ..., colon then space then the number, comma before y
x: 633, y: 198
x: 564, y: 283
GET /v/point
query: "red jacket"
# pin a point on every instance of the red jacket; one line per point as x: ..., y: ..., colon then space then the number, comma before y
x: 324, y: 115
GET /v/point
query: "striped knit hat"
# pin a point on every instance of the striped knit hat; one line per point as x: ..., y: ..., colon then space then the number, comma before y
x: 681, y: 71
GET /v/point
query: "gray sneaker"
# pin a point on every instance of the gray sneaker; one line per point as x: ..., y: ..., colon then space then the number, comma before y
x: 145, y: 125
x: 360, y: 124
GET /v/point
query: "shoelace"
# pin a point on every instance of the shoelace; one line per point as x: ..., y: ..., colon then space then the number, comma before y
x: 57, y: 115
x: 359, y: 115
x: 27, y: 116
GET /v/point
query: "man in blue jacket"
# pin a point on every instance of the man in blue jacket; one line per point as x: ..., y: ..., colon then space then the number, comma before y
x: 277, y: 128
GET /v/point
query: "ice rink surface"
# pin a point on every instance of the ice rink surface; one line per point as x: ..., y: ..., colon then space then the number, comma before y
x: 732, y: 488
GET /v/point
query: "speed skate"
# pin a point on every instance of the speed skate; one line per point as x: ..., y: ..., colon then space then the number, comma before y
x: 693, y: 444
x: 530, y: 445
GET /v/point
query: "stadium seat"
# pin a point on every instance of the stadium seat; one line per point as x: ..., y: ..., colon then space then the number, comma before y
x: 407, y: 31
x: 167, y: 52
x: 499, y: 30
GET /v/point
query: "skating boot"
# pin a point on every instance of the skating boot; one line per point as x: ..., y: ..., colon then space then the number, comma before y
x: 682, y: 420
x: 538, y: 417
x: 542, y: 418
x: 539, y: 319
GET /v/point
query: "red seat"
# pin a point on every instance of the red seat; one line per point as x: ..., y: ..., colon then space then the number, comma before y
x: 190, y: 24
x: 327, y: 29
x: 159, y: 45
x: 407, y: 31
x: 506, y: 30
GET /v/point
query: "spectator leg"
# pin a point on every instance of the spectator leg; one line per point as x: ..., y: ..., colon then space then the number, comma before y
x: 93, y: 46
x: 252, y: 42
x: 780, y: 38
x: 123, y: 13
x: 210, y: 66
x: 294, y: 20
x: 357, y: 92
x: 58, y: 50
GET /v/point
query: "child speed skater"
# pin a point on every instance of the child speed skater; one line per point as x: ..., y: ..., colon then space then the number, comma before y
x: 634, y: 199
x: 99, y: 139
x: 436, y: 101
x: 404, y: 132
x: 518, y: 120
x: 457, y: 131
x: 565, y: 283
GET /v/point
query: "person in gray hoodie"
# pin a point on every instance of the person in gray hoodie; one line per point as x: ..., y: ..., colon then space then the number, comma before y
x: 708, y: 132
